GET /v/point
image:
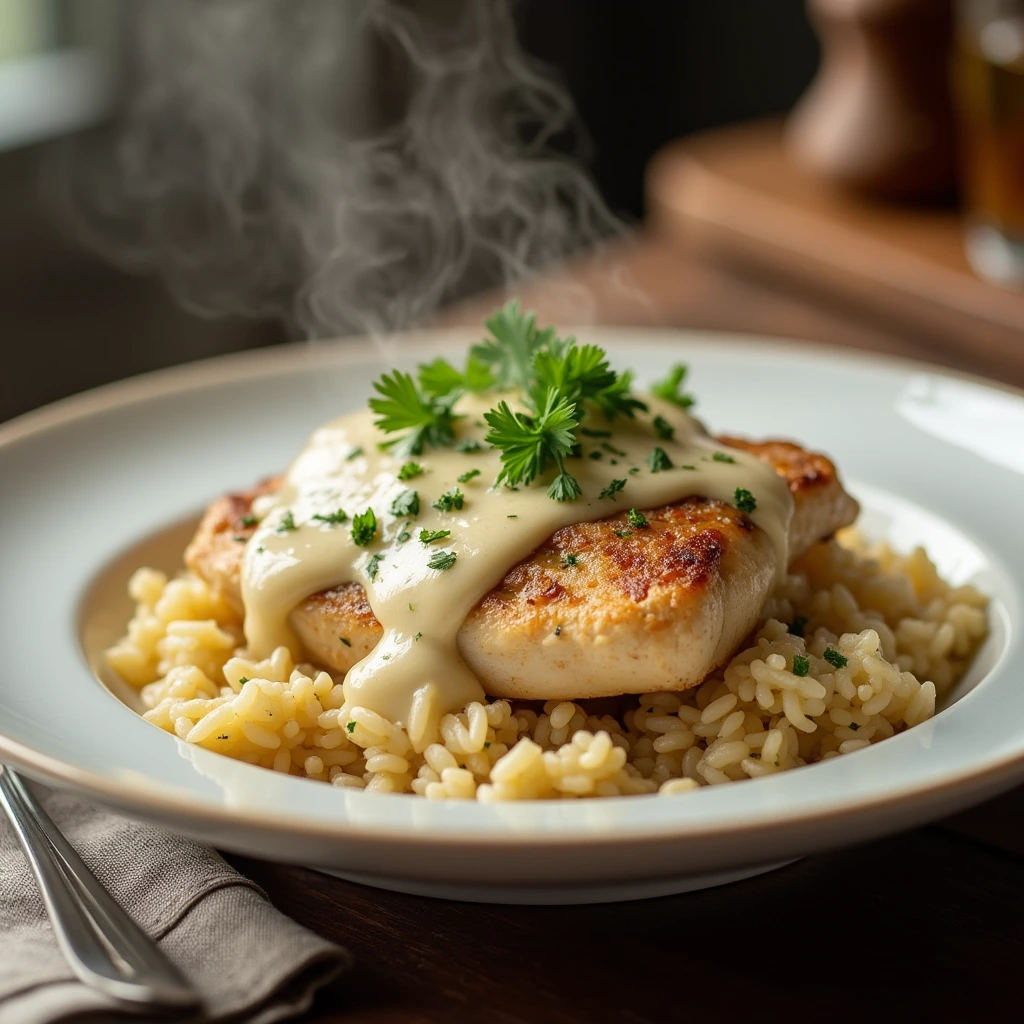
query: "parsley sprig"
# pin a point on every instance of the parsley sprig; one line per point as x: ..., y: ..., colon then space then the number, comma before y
x: 419, y: 417
x: 531, y: 443
x: 557, y: 385
x: 671, y: 387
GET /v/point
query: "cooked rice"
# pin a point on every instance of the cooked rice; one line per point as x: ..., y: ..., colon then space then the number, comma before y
x: 891, y: 616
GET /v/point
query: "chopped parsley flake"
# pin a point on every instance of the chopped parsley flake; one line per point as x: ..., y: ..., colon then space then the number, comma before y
x: 442, y: 560
x: 332, y: 518
x: 801, y: 665
x: 611, y: 448
x: 449, y: 501
x: 853, y: 726
x: 469, y: 446
x: 354, y: 454
x: 248, y: 520
x: 385, y: 657
x: 744, y: 500
x: 238, y: 538
x: 429, y: 536
x: 637, y: 519
x: 834, y: 658
x: 260, y: 550
x: 663, y: 428
x: 596, y: 454
x: 351, y: 726
x: 373, y: 567
x: 364, y: 528
x: 722, y: 457
x: 612, y: 489
x: 511, y: 517
x: 464, y: 478
x: 243, y: 680
x: 287, y: 523
x: 587, y: 432
x: 658, y: 461
x: 409, y: 471
x: 797, y: 626
x: 623, y: 533
x: 634, y: 470
x: 417, y: 636
x: 687, y: 467
x: 404, y: 535
x: 670, y: 388
x: 345, y: 640
x: 406, y: 504
x: 568, y: 560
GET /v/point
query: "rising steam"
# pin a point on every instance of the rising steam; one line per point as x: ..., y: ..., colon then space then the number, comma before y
x: 342, y: 166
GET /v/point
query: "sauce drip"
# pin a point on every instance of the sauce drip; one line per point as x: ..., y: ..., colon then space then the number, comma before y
x: 416, y: 674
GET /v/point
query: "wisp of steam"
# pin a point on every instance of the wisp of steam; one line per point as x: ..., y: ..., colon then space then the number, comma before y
x: 345, y: 167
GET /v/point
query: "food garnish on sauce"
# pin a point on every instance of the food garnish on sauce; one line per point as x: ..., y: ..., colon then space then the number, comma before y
x: 448, y: 479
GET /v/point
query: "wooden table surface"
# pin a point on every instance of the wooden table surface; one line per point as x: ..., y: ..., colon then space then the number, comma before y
x: 931, y: 921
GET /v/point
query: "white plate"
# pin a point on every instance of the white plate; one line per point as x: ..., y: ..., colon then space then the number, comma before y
x: 936, y: 459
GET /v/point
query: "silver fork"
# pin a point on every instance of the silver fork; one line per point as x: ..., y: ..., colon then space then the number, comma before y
x: 105, y: 948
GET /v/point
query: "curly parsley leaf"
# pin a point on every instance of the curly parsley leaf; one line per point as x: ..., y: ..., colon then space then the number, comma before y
x: 409, y: 471
x: 509, y: 351
x: 364, y: 528
x: 616, y: 400
x: 440, y: 378
x: 575, y: 371
x: 670, y: 388
x: 529, y: 445
x: 404, y: 409
x: 406, y: 504
x: 450, y: 501
x: 565, y: 487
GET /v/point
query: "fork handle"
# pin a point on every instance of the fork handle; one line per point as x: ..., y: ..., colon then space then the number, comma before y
x: 85, y: 918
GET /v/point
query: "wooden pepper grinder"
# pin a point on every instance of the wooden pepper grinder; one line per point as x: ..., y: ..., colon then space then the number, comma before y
x: 878, y: 117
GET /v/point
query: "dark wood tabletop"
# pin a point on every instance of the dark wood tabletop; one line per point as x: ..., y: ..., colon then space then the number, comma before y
x: 929, y: 922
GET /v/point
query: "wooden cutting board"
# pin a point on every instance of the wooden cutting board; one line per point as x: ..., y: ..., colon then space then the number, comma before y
x: 735, y: 196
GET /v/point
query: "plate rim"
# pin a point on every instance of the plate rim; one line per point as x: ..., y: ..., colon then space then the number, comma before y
x: 252, y: 364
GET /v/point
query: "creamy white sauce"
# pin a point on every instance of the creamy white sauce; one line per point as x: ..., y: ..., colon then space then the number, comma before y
x: 416, y: 674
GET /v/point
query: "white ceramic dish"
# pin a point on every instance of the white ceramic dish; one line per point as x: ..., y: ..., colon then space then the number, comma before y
x: 935, y: 458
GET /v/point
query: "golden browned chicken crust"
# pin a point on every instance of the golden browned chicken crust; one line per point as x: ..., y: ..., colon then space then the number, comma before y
x: 598, y: 609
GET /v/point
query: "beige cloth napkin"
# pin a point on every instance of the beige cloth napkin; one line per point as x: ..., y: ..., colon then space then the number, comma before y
x: 250, y: 963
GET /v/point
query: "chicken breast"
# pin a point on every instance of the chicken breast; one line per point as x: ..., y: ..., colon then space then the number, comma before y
x: 598, y: 609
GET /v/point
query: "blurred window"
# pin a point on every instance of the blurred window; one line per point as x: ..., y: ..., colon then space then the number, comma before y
x: 55, y: 67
